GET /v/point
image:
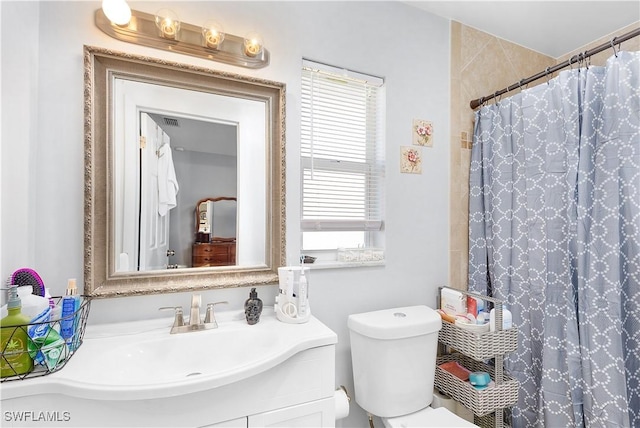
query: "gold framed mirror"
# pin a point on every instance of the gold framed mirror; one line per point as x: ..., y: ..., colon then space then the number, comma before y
x: 116, y: 228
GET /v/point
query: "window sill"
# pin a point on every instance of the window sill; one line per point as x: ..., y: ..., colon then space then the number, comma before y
x: 333, y: 264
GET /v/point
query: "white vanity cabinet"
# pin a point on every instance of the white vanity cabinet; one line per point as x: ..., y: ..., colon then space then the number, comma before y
x: 295, y: 393
x: 278, y: 375
x: 307, y: 380
x: 316, y: 414
x: 236, y: 423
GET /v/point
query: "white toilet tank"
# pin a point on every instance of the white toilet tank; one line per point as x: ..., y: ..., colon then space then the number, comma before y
x: 393, y: 352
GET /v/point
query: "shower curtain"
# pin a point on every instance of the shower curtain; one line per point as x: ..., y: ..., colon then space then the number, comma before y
x: 554, y: 230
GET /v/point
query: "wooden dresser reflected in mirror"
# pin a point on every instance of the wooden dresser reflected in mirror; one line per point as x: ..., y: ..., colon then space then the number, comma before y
x: 215, y: 239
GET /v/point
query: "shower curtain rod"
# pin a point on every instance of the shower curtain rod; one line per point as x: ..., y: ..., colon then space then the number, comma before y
x: 575, y: 58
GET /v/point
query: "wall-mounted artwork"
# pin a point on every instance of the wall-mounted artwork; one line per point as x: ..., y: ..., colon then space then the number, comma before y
x: 422, y: 133
x: 410, y: 160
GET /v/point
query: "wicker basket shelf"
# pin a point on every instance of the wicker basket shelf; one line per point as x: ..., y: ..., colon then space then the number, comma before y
x: 479, y: 346
x: 480, y: 402
x: 471, y: 348
x: 487, y: 421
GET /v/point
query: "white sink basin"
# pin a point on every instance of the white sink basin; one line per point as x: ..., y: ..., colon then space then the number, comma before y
x: 157, y: 357
x: 141, y: 360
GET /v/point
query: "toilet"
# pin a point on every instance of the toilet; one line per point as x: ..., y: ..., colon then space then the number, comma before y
x: 393, y: 353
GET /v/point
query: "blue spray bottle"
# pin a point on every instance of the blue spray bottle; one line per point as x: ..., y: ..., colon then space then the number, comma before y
x: 69, y: 320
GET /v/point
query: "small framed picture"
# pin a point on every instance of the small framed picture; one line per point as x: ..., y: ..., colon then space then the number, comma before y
x: 422, y: 133
x: 410, y: 160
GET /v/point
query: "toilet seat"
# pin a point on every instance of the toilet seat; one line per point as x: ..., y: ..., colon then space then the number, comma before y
x: 428, y: 417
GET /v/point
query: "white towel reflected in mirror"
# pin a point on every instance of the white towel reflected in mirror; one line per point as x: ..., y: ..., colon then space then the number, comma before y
x: 167, y: 181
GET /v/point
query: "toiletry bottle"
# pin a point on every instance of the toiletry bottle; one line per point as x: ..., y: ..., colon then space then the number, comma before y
x: 69, y: 322
x: 507, y: 319
x: 14, y: 338
x: 32, y: 305
x: 253, y: 307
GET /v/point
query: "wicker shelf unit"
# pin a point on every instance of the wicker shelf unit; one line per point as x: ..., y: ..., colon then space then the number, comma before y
x: 471, y: 350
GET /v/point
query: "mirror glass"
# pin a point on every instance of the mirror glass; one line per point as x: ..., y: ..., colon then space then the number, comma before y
x: 159, y: 176
x: 216, y: 219
x: 165, y: 141
x: 216, y: 223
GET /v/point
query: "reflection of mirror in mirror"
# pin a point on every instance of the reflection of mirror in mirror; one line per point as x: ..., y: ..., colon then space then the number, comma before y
x: 216, y: 219
x: 124, y: 93
x: 215, y: 238
x: 224, y: 215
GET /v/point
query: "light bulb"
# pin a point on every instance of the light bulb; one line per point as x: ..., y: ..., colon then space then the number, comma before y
x: 168, y: 23
x: 212, y: 34
x: 253, y: 44
x: 117, y: 11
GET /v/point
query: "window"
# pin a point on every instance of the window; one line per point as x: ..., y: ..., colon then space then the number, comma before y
x: 342, y: 161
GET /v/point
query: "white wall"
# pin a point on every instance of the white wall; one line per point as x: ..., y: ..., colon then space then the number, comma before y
x: 42, y: 143
x: 200, y: 175
x: 19, y: 80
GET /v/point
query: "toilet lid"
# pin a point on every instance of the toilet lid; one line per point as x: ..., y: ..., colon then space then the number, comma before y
x: 429, y: 417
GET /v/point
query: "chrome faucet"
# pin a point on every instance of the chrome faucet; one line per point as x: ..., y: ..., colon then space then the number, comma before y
x: 194, y: 317
x: 195, y: 321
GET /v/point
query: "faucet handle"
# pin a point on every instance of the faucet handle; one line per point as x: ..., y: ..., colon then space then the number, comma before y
x: 179, y: 319
x: 210, y: 317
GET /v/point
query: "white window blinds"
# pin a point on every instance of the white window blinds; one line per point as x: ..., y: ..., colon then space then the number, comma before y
x: 341, y: 151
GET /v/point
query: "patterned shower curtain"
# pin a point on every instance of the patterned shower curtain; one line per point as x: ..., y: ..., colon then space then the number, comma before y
x: 554, y: 230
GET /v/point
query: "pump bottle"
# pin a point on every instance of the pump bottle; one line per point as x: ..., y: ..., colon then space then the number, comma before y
x: 253, y: 307
x: 14, y: 338
x: 69, y: 321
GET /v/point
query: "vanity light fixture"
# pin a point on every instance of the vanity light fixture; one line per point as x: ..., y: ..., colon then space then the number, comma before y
x: 168, y: 23
x: 118, y: 11
x: 253, y: 44
x: 165, y: 31
x: 212, y: 34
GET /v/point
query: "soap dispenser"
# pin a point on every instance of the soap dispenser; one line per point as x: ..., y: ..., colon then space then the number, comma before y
x: 15, y: 353
x: 253, y: 308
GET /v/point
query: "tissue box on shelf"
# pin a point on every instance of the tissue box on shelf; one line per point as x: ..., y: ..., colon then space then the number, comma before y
x: 453, y: 302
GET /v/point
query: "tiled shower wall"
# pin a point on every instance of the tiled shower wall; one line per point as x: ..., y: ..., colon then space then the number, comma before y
x: 480, y: 65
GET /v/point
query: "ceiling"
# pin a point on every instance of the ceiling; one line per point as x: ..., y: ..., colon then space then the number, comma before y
x: 200, y: 136
x: 553, y: 28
